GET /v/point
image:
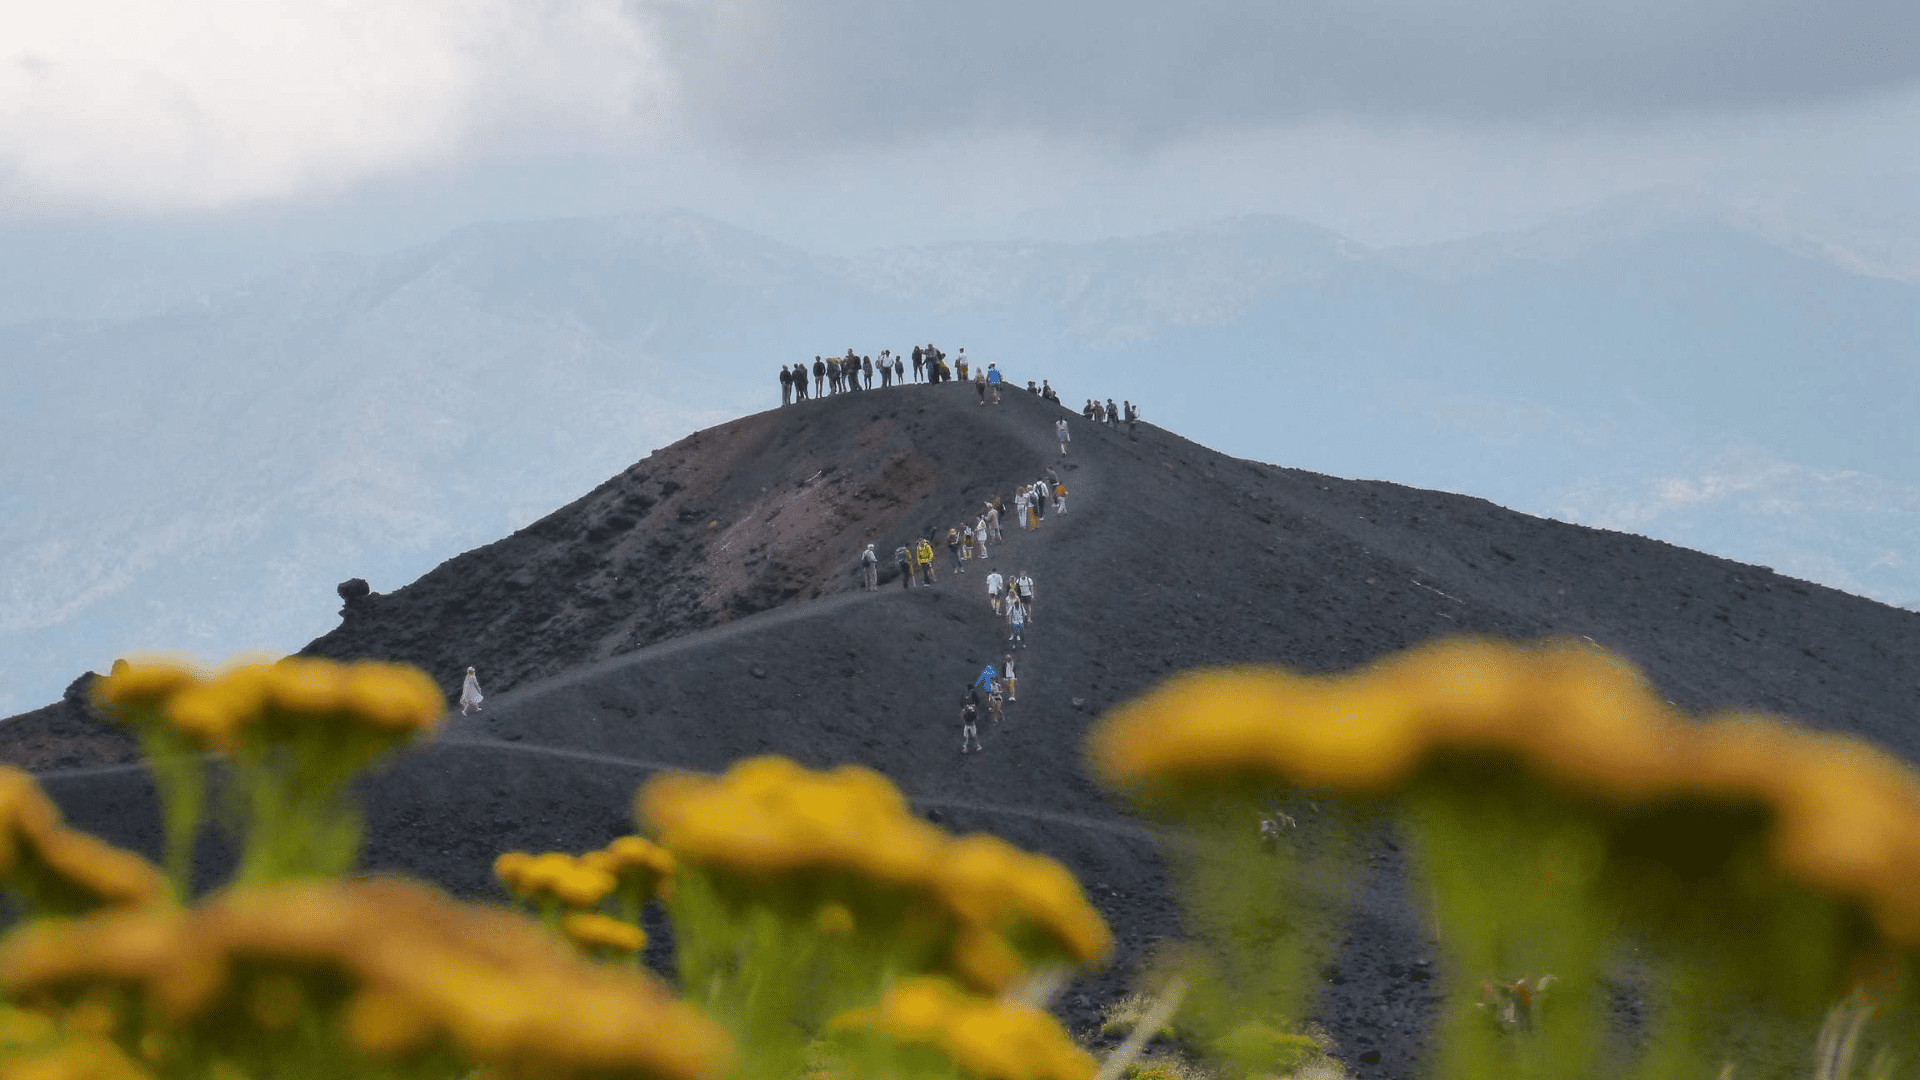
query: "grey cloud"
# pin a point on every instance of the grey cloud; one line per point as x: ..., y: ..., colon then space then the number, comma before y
x: 778, y: 75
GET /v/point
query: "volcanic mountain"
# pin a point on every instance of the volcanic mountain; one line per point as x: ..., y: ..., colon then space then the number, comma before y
x: 704, y: 605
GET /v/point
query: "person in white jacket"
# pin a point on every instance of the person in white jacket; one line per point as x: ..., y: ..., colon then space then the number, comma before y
x: 995, y: 586
x: 470, y: 696
x: 1060, y: 429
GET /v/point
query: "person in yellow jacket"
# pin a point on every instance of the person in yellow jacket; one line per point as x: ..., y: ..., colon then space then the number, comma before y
x: 923, y: 554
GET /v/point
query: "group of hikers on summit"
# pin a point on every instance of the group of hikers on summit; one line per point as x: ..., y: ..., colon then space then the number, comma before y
x: 841, y: 374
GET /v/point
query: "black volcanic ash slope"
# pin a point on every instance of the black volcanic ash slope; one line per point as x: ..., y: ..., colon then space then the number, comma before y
x: 1169, y: 556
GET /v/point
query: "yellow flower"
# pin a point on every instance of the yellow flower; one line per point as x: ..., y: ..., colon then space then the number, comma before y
x: 88, y: 1060
x: 638, y: 861
x: 305, y: 685
x: 395, y: 698
x: 494, y: 986
x: 987, y: 1038
x: 987, y: 881
x: 770, y: 816
x: 143, y: 683
x: 508, y: 867
x: 59, y: 865
x: 595, y: 931
x: 1349, y: 735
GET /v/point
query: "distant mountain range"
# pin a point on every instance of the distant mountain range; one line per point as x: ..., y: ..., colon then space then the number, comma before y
x: 194, y: 464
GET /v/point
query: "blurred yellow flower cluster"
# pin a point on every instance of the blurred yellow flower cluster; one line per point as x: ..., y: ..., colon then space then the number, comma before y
x: 996, y: 888
x: 987, y: 1038
x: 396, y: 968
x: 769, y: 819
x: 52, y: 868
x: 1844, y: 817
x: 555, y: 877
x: 291, y: 698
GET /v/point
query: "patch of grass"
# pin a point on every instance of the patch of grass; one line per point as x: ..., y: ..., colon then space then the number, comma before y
x: 1121, y: 1017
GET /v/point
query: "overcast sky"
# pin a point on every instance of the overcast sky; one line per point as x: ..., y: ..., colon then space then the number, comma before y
x: 855, y: 122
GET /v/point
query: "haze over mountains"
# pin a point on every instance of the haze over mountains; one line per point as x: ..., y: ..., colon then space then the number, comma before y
x: 194, y: 465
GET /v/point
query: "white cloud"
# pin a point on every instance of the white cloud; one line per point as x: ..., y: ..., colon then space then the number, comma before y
x: 206, y: 104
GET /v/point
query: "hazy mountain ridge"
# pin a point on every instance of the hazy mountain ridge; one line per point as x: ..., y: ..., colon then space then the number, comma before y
x: 387, y: 412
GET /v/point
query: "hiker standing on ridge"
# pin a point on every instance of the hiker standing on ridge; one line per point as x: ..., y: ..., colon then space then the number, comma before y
x: 993, y: 383
x: 870, y: 566
x: 819, y: 377
x: 1060, y: 431
x: 886, y: 369
x: 834, y: 375
x: 980, y: 384
x: 899, y: 371
x: 470, y: 696
x: 786, y: 385
x: 960, y: 363
x: 799, y: 382
x: 919, y: 363
x: 1113, y: 414
x: 905, y: 558
x: 923, y: 553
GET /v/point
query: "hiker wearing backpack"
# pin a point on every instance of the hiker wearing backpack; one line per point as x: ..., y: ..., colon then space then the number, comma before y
x: 870, y: 566
x: 905, y: 560
x: 923, y: 554
x: 1023, y: 589
x: 886, y: 369
x: 1016, y: 625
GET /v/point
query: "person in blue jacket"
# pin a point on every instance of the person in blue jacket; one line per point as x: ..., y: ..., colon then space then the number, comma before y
x: 985, y: 681
x: 993, y: 384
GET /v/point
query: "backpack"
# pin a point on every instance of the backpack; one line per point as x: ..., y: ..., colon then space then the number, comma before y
x: 868, y: 558
x: 900, y: 554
